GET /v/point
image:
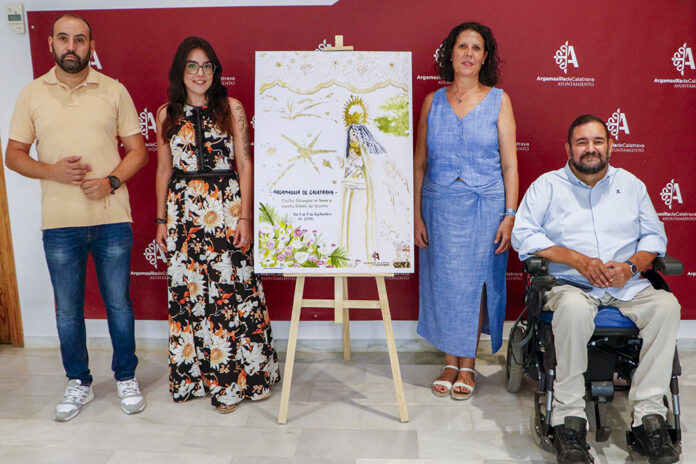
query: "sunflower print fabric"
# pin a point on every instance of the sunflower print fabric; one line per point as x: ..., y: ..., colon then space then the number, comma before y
x: 220, y: 340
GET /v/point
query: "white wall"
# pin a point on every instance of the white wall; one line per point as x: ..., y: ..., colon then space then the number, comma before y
x: 36, y: 297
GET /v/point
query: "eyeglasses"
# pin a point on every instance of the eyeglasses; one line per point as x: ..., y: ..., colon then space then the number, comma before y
x: 192, y: 67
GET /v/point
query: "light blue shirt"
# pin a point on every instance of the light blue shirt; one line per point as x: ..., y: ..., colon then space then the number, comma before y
x: 611, y: 221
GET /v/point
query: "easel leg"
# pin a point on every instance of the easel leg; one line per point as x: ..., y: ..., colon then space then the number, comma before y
x: 346, y: 320
x: 391, y: 345
x: 290, y: 355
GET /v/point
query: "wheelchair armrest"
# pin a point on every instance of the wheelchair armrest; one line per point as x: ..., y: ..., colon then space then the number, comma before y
x: 543, y: 282
x: 536, y: 265
x: 538, y: 270
x: 668, y: 265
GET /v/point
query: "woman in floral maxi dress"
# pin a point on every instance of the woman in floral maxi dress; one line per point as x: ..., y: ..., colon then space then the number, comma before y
x: 220, y: 340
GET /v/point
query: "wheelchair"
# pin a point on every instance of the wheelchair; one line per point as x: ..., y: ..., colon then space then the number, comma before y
x: 613, y: 353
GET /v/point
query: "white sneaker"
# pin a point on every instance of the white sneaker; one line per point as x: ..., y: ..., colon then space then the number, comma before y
x: 132, y: 401
x: 76, y: 395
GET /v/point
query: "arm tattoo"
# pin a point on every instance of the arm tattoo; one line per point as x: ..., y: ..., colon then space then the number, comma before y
x: 242, y: 121
x: 245, y: 141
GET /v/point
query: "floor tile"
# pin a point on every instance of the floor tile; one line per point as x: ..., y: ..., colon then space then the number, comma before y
x: 306, y: 415
x: 358, y: 444
x: 25, y: 407
x: 32, y: 433
x: 478, y: 446
x: 53, y: 455
x: 250, y: 441
x: 129, y: 457
x: 264, y: 460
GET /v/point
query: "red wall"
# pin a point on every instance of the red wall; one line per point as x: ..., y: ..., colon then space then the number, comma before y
x: 619, y: 51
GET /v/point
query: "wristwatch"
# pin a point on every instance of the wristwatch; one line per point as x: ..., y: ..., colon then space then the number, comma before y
x: 632, y: 267
x: 115, y: 183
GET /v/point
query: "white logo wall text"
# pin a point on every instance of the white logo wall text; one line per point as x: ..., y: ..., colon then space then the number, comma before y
x: 147, y: 123
x: 565, y: 56
x: 618, y: 123
x: 94, y: 60
x: 682, y: 58
x: 153, y: 253
x: 670, y: 193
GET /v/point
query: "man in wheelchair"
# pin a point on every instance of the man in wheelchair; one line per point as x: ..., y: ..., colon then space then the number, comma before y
x: 598, y: 229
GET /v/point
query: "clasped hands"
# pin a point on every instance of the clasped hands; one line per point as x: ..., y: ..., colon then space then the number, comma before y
x: 70, y: 170
x: 600, y: 274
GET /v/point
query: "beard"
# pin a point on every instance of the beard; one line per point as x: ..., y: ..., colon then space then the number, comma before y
x: 72, y: 66
x: 586, y: 169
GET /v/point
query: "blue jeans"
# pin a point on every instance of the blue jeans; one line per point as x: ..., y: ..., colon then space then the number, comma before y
x: 66, y: 254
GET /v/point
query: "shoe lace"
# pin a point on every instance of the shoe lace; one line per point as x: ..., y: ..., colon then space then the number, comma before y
x: 75, y: 394
x: 128, y: 387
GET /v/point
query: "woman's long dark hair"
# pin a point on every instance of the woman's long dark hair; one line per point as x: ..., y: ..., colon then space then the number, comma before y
x: 217, y: 93
x: 489, y: 73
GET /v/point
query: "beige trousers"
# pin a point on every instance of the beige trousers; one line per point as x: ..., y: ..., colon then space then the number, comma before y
x: 655, y: 312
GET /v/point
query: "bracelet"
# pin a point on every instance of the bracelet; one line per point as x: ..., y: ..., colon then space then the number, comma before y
x: 244, y: 219
x: 160, y: 221
x: 510, y: 212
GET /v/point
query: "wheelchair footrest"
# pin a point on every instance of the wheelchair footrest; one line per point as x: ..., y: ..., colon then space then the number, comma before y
x: 602, y: 434
x: 601, y: 393
x: 633, y: 445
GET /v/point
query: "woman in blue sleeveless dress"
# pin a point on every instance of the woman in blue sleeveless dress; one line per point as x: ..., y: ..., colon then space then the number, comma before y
x: 466, y: 187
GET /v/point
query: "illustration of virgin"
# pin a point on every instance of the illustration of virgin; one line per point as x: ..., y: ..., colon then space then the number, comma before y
x: 358, y: 203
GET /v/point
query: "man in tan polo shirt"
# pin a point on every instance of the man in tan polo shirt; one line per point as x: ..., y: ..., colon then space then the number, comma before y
x: 76, y: 115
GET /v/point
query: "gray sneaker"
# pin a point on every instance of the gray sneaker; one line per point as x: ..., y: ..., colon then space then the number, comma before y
x: 132, y: 401
x: 76, y: 395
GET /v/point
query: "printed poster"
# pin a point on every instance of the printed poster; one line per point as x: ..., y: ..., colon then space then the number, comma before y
x: 333, y: 183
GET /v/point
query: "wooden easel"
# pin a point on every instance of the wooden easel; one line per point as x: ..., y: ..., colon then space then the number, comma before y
x: 341, y: 305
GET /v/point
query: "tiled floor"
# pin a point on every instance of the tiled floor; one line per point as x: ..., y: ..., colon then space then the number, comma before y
x: 341, y: 412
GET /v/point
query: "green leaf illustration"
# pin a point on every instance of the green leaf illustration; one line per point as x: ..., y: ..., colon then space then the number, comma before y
x: 268, y: 214
x: 338, y: 258
x: 395, y: 122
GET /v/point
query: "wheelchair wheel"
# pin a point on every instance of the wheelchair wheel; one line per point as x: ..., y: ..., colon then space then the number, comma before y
x: 515, y: 360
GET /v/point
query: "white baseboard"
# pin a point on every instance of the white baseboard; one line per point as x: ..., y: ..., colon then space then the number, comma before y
x: 363, y: 333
